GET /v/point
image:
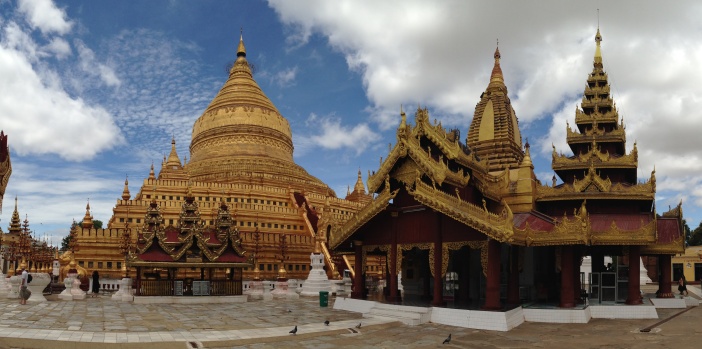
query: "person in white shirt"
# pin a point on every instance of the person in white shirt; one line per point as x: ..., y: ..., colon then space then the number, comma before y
x: 24, y: 292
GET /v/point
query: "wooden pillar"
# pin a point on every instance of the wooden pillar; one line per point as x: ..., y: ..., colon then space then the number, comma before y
x: 567, y: 292
x: 438, y: 300
x: 664, y: 282
x: 463, y: 294
x: 393, y: 297
x: 138, y: 281
x: 577, y: 285
x: 492, y: 284
x: 634, y: 297
x: 357, y: 291
x: 513, y: 282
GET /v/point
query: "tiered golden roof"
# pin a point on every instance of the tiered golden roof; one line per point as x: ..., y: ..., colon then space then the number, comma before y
x: 494, y: 132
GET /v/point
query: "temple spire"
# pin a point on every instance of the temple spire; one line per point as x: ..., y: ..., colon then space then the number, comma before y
x: 88, y: 218
x: 125, y: 192
x: 496, y: 76
x: 15, y: 224
x: 598, y: 53
x: 241, y: 50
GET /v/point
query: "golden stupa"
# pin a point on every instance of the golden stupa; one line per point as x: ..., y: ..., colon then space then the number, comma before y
x: 242, y: 154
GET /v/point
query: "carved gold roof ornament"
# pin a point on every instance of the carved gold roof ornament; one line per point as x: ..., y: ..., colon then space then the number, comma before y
x: 593, y: 186
x: 379, y: 203
x: 644, y: 235
x: 409, y: 145
x: 603, y: 160
x: 495, y: 226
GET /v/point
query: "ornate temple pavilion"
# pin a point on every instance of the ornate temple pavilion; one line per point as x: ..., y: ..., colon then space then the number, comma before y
x: 471, y: 223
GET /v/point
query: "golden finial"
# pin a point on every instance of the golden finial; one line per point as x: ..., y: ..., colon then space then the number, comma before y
x: 241, y: 50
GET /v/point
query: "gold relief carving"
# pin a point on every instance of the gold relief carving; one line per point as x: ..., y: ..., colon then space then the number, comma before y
x: 341, y: 233
x: 676, y: 246
x: 375, y: 180
x: 572, y: 230
x: 595, y: 134
x: 498, y: 227
x: 646, y: 234
x: 431, y: 259
x: 606, y: 189
x: 603, y: 160
x: 675, y: 212
x: 457, y: 245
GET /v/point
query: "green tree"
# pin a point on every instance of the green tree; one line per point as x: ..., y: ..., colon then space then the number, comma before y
x: 97, y: 224
x: 695, y: 236
x: 65, y: 242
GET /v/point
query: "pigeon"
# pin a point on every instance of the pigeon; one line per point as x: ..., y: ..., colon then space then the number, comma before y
x: 447, y: 340
x: 326, y: 323
x: 359, y: 325
x: 289, y: 311
x: 294, y: 330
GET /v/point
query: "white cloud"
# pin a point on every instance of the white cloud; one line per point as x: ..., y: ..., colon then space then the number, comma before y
x: 59, y: 47
x: 89, y: 65
x: 44, y: 15
x: 335, y: 136
x: 285, y: 78
x: 39, y: 115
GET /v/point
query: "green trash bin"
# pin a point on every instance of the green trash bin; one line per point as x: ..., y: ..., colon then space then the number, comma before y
x: 323, y: 298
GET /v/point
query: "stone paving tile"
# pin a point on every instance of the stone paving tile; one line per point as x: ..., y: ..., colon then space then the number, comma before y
x: 100, y: 320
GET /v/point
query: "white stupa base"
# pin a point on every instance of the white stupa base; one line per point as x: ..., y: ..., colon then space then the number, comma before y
x: 317, y: 280
x: 66, y: 294
x: 124, y: 294
x: 257, y: 291
x: 13, y: 292
x: 37, y: 286
x: 283, y: 292
x: 76, y: 292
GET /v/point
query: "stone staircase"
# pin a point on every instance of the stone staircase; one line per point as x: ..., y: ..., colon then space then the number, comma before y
x: 412, y: 316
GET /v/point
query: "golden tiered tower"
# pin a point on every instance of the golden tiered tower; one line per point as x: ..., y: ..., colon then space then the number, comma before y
x: 241, y: 155
x: 5, y: 165
x: 494, y: 132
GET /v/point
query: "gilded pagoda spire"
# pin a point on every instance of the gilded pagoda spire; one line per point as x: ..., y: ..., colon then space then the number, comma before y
x: 15, y: 224
x: 125, y: 193
x: 494, y: 132
x: 173, y: 161
x: 88, y: 218
x: 152, y: 175
x: 598, y: 53
x: 359, y: 187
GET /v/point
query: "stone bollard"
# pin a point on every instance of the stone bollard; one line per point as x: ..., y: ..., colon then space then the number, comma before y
x: 66, y: 294
x: 14, y: 287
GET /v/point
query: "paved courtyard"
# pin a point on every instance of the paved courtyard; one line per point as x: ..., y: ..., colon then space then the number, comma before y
x: 100, y: 322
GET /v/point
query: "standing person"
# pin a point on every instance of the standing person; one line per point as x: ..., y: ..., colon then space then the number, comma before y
x: 96, y: 283
x: 24, y: 292
x: 682, y: 285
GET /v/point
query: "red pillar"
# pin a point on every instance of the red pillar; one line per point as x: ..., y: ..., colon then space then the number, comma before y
x: 634, y: 297
x: 492, y: 284
x: 438, y: 300
x: 664, y: 282
x: 513, y: 282
x: 393, y: 260
x: 567, y: 291
x: 357, y: 291
x: 577, y: 285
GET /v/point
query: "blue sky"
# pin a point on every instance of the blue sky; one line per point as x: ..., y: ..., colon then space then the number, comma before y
x: 91, y: 92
